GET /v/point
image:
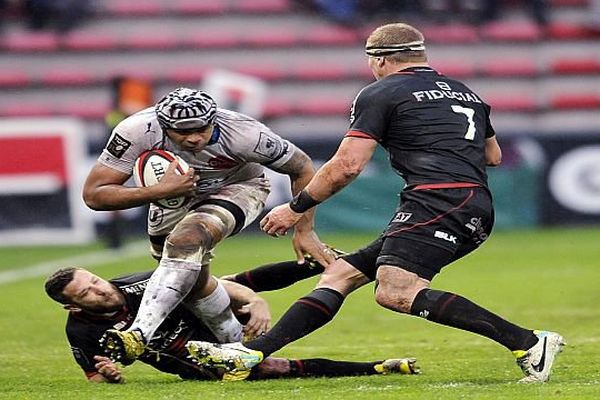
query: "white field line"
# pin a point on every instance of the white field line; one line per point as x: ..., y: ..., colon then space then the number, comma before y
x: 87, y: 260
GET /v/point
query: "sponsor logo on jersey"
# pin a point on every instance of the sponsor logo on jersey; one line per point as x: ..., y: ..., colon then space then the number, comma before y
x: 446, y: 236
x: 137, y: 288
x: 402, y: 217
x: 222, y: 162
x: 424, y: 95
x: 268, y: 146
x: 118, y: 145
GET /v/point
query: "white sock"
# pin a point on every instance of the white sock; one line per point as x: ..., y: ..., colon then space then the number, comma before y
x: 168, y: 285
x: 216, y: 314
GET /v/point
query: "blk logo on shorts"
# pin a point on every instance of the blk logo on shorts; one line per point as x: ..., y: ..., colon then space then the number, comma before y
x: 446, y: 236
x: 402, y: 217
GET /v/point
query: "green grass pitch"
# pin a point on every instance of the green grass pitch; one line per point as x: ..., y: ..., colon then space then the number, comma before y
x: 547, y: 279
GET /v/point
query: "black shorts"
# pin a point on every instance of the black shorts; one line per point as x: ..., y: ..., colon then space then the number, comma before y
x: 430, y: 229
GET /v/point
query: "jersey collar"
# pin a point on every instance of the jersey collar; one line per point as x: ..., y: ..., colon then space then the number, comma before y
x: 416, y: 69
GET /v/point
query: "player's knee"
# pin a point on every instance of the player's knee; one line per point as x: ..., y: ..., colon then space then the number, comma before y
x: 197, y: 233
x: 394, y: 301
x: 342, y: 277
x: 185, y: 242
x: 396, y: 288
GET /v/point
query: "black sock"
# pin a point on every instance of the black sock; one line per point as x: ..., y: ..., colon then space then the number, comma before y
x: 456, y: 311
x: 304, y: 316
x: 330, y: 368
x: 277, y: 275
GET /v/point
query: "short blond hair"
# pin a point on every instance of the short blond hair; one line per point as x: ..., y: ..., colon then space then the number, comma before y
x: 398, y: 34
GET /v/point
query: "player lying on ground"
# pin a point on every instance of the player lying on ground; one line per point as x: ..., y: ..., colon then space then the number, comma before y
x: 96, y: 305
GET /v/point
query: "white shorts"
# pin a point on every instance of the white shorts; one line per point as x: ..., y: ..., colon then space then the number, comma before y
x: 245, y: 200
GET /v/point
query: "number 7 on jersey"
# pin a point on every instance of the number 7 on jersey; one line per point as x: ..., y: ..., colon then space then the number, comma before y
x: 469, y: 113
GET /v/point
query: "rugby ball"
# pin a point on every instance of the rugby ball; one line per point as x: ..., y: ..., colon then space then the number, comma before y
x: 151, y: 166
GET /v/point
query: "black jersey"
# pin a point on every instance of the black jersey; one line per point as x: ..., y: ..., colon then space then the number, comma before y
x: 433, y: 127
x: 166, y: 351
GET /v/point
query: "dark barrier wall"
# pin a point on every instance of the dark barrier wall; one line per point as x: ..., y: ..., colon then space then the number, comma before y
x: 571, y: 193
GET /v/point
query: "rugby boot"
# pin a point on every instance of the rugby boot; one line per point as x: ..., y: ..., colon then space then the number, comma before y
x: 234, y: 358
x: 404, y: 366
x: 536, y: 362
x: 123, y: 346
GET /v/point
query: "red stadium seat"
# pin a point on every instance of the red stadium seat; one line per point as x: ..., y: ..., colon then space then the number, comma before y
x: 569, y: 66
x: 277, y: 108
x: 150, y: 41
x: 67, y: 77
x: 195, y: 7
x: 86, y: 41
x: 521, y: 102
x: 267, y: 72
x: 567, y: 31
x: 261, y: 6
x: 84, y: 110
x: 455, y: 33
x: 454, y: 68
x: 330, y: 36
x: 320, y: 72
x: 322, y: 106
x: 210, y: 40
x: 521, y: 67
x: 26, y: 109
x: 12, y: 78
x: 270, y: 39
x: 135, y: 8
x: 31, y: 41
x: 186, y: 75
x: 566, y: 101
x: 508, y: 31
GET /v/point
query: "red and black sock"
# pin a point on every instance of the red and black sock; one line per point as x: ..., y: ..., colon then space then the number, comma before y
x: 278, y: 275
x: 306, y: 315
x: 456, y: 311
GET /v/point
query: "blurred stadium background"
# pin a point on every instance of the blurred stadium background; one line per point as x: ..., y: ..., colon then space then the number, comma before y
x: 69, y: 70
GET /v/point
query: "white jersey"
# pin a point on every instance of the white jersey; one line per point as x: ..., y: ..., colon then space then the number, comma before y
x: 242, y: 145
